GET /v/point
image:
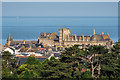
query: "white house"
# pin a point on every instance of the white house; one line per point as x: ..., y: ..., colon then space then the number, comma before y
x: 10, y: 50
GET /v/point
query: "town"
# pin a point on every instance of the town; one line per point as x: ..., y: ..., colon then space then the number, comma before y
x: 62, y: 49
x: 51, y: 44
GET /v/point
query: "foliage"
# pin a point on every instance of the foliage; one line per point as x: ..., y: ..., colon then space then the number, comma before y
x: 73, y: 63
x: 32, y: 61
x: 110, y: 63
x: 87, y: 75
x: 52, y: 58
x: 8, y: 64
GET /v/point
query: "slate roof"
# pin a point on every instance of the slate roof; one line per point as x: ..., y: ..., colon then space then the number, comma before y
x: 48, y: 35
x: 100, y: 37
x: 57, y: 54
x: 22, y: 59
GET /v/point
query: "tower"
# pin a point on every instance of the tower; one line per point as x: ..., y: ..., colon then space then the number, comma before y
x: 94, y: 31
x: 64, y: 34
x: 9, y: 39
x: 60, y: 36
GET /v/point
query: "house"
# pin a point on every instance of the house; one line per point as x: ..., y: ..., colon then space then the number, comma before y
x: 22, y: 59
x: 11, y: 50
x: 55, y: 54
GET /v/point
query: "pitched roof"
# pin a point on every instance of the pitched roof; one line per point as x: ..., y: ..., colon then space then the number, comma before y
x: 106, y: 37
x: 100, y: 37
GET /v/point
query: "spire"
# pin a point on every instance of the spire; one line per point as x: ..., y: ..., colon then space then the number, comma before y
x: 9, y: 38
x: 39, y: 35
x: 94, y: 31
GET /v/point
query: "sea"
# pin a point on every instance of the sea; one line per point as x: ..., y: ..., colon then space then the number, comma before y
x: 29, y: 27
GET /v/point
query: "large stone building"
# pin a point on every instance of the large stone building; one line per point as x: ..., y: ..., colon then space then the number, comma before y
x: 65, y: 39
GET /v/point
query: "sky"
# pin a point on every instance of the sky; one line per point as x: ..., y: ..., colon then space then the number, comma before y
x: 59, y: 0
x: 60, y: 9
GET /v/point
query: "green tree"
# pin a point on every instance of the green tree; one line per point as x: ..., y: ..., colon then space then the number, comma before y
x: 110, y: 63
x: 96, y: 53
x: 87, y: 75
x: 74, y: 57
x: 8, y: 64
x: 32, y: 60
x: 29, y: 70
x: 53, y: 58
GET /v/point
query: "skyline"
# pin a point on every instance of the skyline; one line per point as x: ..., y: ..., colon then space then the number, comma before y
x: 36, y: 17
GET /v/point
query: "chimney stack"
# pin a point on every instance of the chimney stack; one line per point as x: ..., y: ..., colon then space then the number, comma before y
x: 102, y: 33
x: 75, y: 37
x: 83, y: 37
x: 94, y: 31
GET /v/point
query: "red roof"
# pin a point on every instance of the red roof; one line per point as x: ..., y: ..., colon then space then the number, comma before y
x: 83, y: 70
x: 41, y: 48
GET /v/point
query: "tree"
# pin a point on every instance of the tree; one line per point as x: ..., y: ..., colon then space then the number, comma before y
x: 32, y: 60
x: 96, y: 52
x: 55, y: 69
x: 87, y: 75
x: 74, y: 57
x: 110, y: 64
x: 29, y: 70
x: 52, y: 58
x: 8, y: 64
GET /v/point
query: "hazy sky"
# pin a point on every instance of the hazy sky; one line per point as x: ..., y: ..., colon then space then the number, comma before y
x: 60, y: 9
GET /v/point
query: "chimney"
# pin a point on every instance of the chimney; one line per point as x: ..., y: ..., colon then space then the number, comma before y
x: 94, y: 31
x: 83, y: 37
x: 72, y: 38
x: 75, y: 37
x: 79, y: 38
x: 102, y: 33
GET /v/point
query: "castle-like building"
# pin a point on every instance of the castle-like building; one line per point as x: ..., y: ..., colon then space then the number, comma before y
x: 65, y: 39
